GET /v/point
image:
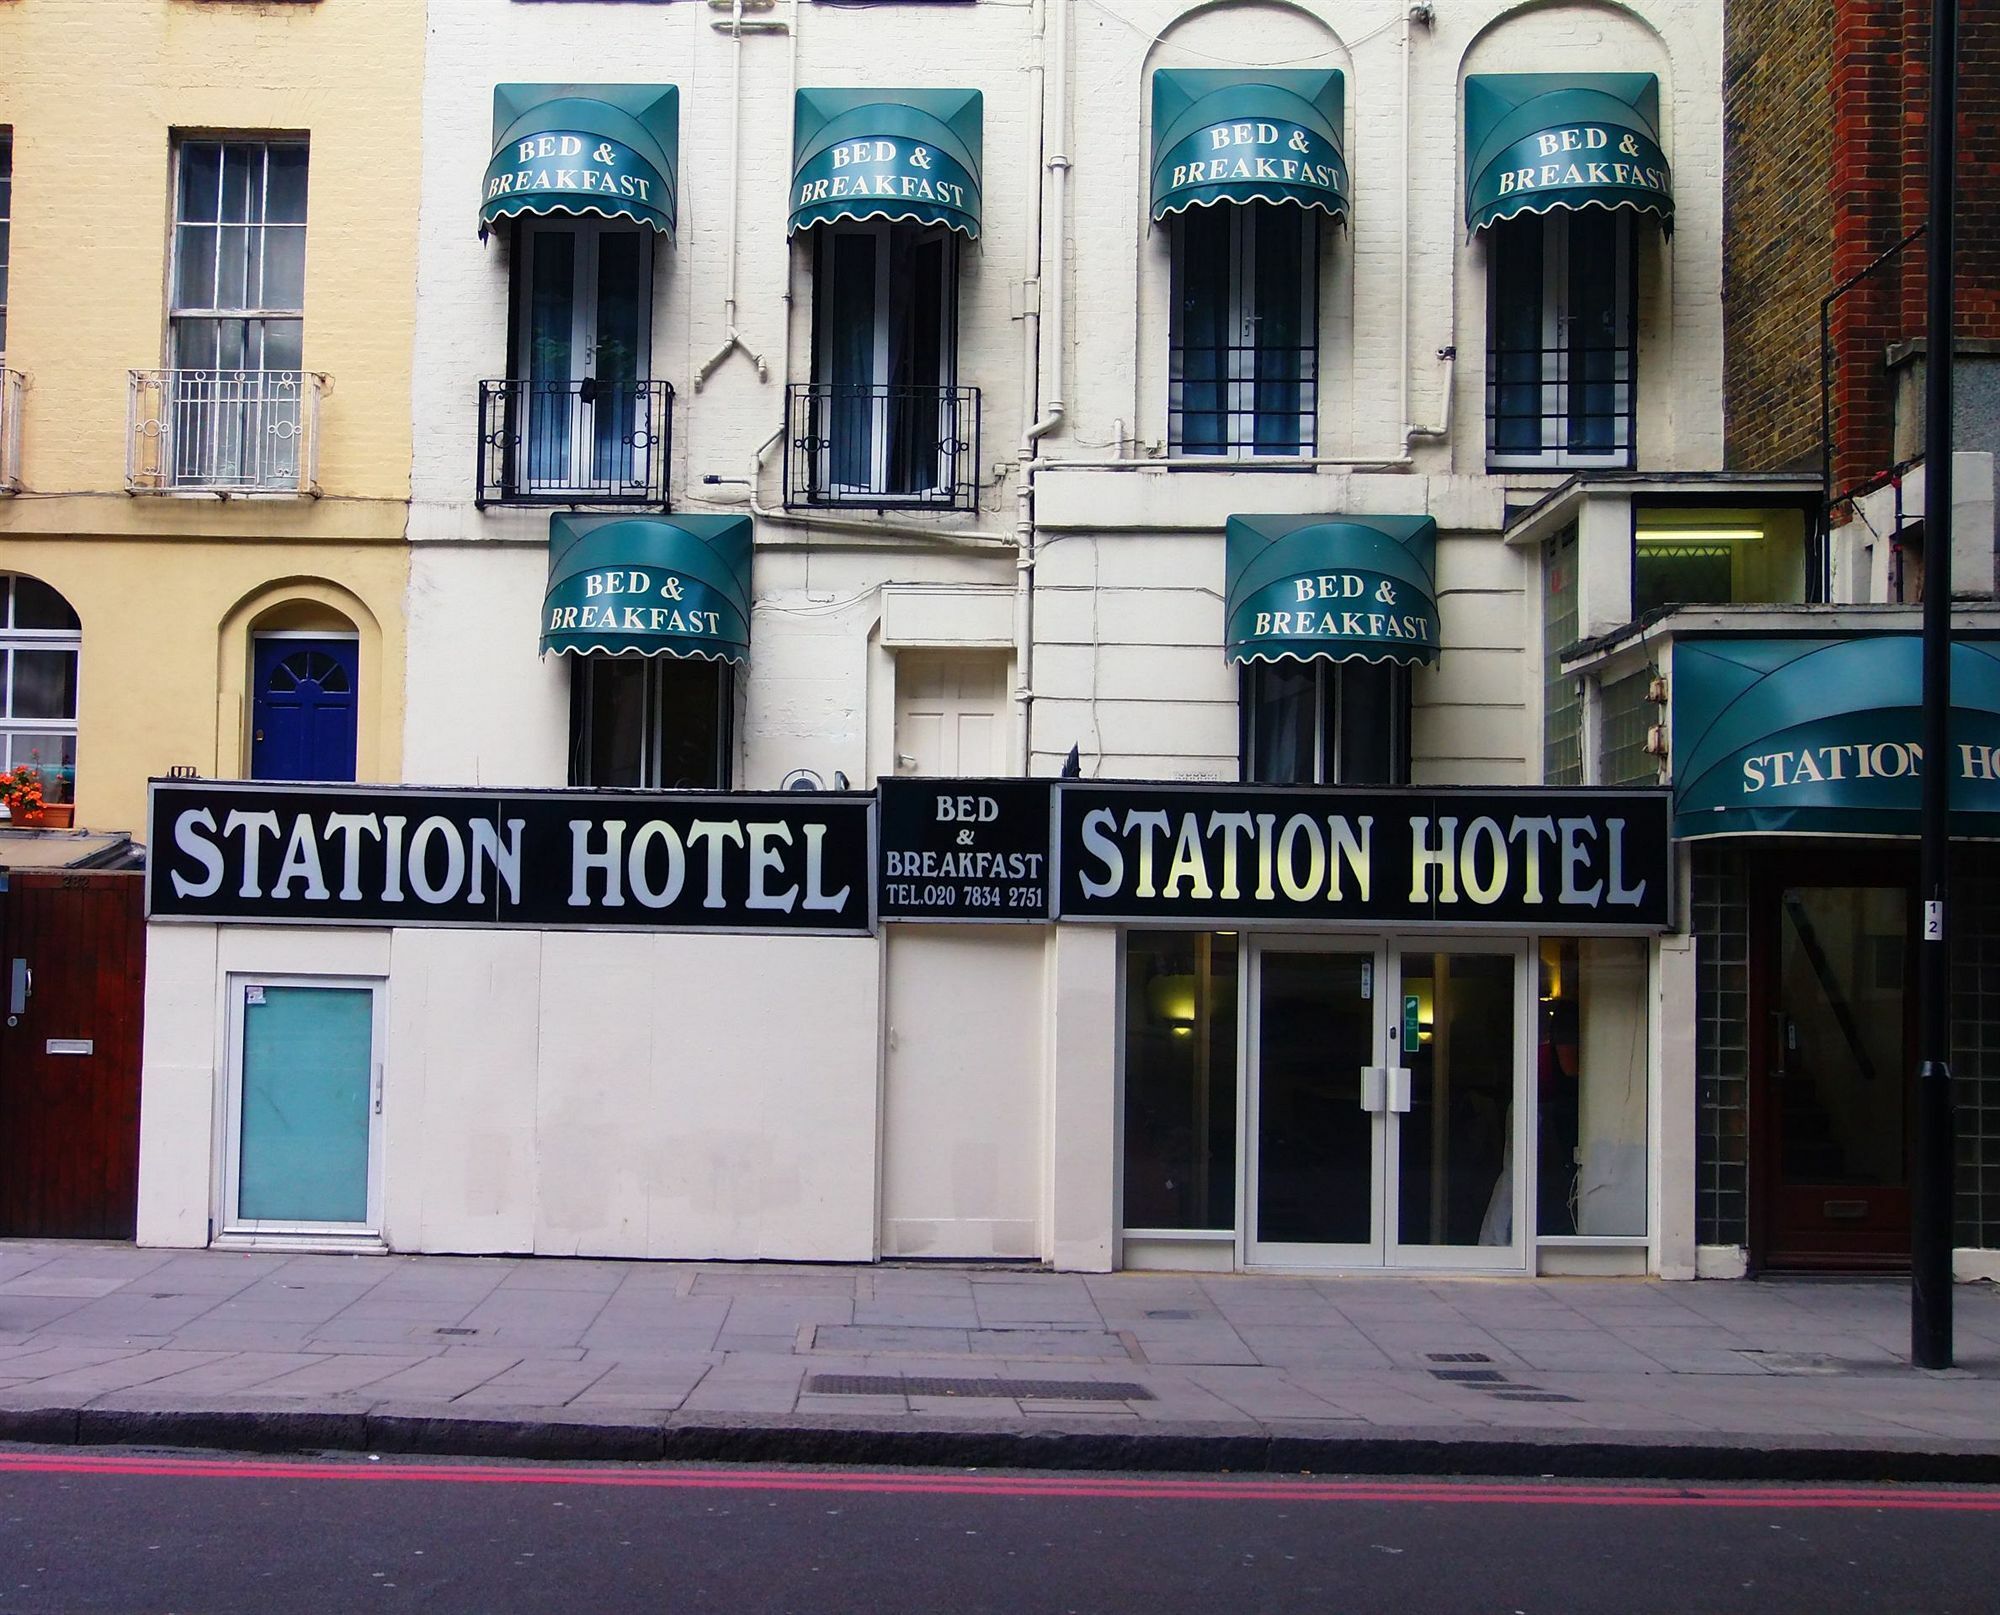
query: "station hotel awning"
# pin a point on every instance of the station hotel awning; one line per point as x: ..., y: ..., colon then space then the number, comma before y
x: 1821, y: 736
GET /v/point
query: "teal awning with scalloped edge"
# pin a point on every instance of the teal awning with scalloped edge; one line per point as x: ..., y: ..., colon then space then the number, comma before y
x: 1824, y: 736
x: 887, y: 154
x: 608, y: 149
x: 1248, y: 135
x: 649, y: 586
x: 1535, y: 142
x: 1331, y: 588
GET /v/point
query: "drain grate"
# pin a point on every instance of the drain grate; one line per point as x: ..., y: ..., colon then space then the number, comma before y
x: 1168, y: 1312
x: 1470, y: 1376
x: 1458, y: 1357
x: 1533, y: 1396
x: 1034, y: 1390
x: 454, y: 1331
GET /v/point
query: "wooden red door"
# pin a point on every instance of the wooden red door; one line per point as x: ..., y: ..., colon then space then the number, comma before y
x: 72, y: 980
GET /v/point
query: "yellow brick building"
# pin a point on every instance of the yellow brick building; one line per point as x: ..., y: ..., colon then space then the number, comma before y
x: 207, y: 287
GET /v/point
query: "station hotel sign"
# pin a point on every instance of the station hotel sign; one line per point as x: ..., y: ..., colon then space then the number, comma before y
x: 981, y: 850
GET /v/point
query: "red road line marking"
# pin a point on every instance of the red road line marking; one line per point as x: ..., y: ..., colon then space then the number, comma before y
x: 1139, y: 1488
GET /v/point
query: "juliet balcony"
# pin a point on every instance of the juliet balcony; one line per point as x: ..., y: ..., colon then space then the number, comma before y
x: 575, y: 442
x: 882, y: 447
x: 224, y: 432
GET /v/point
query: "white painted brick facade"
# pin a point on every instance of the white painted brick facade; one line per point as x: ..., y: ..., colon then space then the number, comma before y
x: 1128, y: 617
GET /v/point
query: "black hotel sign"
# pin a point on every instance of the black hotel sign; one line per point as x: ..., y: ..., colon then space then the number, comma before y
x: 981, y: 850
x: 348, y: 855
x: 1525, y: 858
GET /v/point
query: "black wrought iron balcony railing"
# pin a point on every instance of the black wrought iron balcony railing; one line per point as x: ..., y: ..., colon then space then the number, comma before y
x: 1566, y: 405
x: 586, y: 442
x: 886, y: 447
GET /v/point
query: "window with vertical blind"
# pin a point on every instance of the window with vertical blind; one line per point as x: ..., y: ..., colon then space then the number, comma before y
x: 1562, y: 706
x: 1243, y: 361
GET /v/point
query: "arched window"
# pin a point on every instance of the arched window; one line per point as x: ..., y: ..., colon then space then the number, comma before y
x: 40, y: 642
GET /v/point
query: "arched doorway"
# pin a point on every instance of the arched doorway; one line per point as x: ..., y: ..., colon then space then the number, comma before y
x: 305, y: 676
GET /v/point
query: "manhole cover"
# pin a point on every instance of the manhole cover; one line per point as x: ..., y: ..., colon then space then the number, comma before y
x: 1470, y: 1376
x: 1034, y: 1390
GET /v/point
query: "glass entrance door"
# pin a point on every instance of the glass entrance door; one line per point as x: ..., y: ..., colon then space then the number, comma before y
x: 1386, y: 1119
x: 1318, y: 1090
x: 1836, y: 1076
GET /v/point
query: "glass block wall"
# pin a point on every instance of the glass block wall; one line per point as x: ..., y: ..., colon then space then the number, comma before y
x: 1626, y: 714
x: 1720, y: 919
x: 1975, y: 1039
x: 1562, y: 707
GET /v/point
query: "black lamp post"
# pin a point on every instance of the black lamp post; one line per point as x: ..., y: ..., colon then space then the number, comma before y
x: 1931, y: 1199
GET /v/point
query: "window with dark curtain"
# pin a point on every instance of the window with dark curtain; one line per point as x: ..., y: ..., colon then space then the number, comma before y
x: 1326, y: 723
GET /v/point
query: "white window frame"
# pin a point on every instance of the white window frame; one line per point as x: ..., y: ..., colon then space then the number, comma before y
x: 880, y: 444
x: 14, y: 639
x: 1555, y: 329
x: 589, y: 233
x: 228, y: 1227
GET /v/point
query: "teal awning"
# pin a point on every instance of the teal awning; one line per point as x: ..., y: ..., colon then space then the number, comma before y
x: 1539, y: 141
x: 649, y: 585
x: 887, y: 154
x: 1257, y: 135
x: 610, y: 149
x: 1331, y: 587
x: 1824, y: 736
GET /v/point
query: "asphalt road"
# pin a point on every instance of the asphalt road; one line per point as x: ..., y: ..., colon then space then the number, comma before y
x: 144, y: 1532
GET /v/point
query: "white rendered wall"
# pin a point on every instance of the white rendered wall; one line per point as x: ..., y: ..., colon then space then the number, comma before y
x: 962, y: 1130
x: 613, y: 1094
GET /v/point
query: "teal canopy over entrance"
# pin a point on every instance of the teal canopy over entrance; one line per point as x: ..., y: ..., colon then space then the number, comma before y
x: 1331, y: 587
x: 609, y: 149
x: 1259, y: 135
x: 649, y: 585
x: 1823, y: 736
x: 887, y: 154
x: 1535, y: 142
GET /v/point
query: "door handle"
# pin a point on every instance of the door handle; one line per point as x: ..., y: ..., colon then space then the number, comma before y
x: 20, y: 988
x: 1399, y: 1089
x: 1374, y: 1088
x: 378, y: 1087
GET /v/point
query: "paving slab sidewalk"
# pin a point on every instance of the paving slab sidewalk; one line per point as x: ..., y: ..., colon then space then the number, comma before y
x: 946, y: 1364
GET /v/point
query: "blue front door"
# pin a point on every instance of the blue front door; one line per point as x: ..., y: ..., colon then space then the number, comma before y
x: 303, y: 710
